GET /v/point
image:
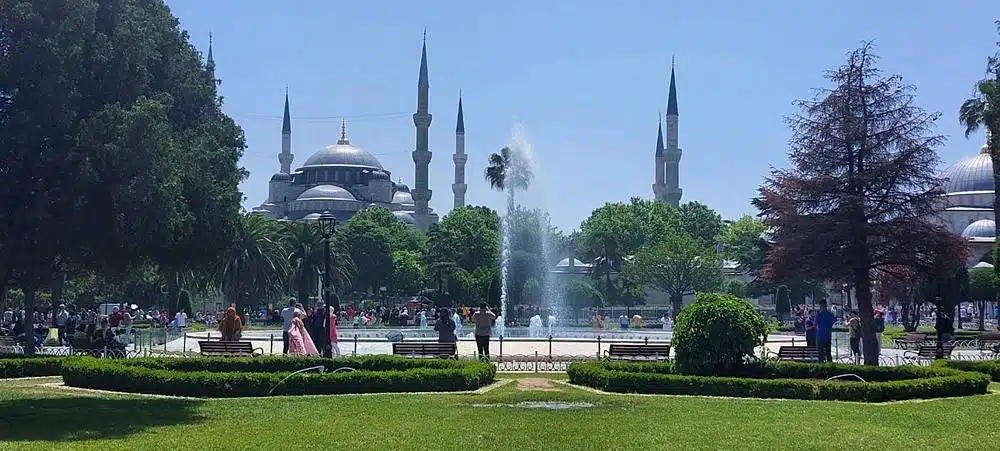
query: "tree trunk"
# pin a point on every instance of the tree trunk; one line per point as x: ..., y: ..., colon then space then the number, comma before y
x: 869, y: 343
x: 676, y: 303
x: 910, y: 315
x: 29, y: 319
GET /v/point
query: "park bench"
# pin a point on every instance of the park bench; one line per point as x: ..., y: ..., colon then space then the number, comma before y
x: 990, y: 345
x: 228, y: 348
x: 9, y: 344
x: 625, y: 351
x: 799, y: 353
x: 425, y: 349
x: 929, y: 352
x: 910, y: 341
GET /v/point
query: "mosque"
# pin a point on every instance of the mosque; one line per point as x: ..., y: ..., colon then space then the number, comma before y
x: 969, y: 190
x: 343, y: 178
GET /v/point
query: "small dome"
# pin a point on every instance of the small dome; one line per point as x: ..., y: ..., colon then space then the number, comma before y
x: 402, y: 197
x: 973, y: 173
x: 343, y: 154
x: 326, y: 192
x: 405, y: 217
x: 281, y: 177
x: 982, y: 265
x: 402, y: 187
x: 983, y: 228
x: 565, y: 263
x: 311, y: 217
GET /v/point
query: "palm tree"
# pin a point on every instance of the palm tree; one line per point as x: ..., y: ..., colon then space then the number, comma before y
x: 305, y: 245
x: 508, y: 170
x: 983, y: 110
x: 255, y: 267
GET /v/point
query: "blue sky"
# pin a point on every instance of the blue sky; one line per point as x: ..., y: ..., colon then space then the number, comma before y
x: 586, y: 80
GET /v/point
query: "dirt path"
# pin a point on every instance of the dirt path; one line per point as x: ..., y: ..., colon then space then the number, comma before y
x: 536, y: 384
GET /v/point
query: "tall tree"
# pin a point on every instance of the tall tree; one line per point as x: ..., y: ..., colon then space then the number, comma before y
x: 679, y: 266
x: 113, y: 145
x: 982, y: 110
x: 701, y: 223
x: 468, y: 237
x: 861, y: 187
x: 983, y: 285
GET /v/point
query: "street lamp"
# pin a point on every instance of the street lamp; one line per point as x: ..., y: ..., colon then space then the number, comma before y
x: 327, y: 223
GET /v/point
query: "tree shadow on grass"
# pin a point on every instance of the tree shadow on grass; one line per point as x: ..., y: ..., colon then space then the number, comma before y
x: 86, y: 418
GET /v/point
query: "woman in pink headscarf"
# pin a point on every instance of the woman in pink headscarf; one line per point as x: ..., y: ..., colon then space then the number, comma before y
x: 299, y: 341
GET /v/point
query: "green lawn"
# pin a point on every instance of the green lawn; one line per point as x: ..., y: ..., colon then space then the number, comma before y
x: 37, y: 417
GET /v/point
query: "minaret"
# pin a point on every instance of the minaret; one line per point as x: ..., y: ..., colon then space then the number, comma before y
x: 421, y: 154
x: 459, y: 187
x: 672, y: 153
x: 286, y: 157
x: 659, y: 187
x: 210, y: 62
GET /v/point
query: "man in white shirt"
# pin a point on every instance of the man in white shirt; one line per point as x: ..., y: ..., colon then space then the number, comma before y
x: 61, y: 316
x: 287, y: 314
x: 180, y: 319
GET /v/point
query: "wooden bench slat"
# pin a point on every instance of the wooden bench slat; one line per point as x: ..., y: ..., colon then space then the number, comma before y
x: 425, y: 349
x: 799, y: 353
x: 226, y: 348
x: 625, y: 351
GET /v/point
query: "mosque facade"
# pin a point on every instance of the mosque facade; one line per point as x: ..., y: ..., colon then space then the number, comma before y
x: 968, y: 211
x: 343, y: 178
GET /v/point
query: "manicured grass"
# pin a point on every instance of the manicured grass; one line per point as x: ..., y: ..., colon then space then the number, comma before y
x: 36, y: 417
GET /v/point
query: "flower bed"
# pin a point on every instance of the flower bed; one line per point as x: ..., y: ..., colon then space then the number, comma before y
x: 241, y: 377
x: 17, y: 365
x: 784, y: 380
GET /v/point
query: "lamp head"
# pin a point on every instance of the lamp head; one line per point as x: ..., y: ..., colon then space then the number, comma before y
x: 327, y: 222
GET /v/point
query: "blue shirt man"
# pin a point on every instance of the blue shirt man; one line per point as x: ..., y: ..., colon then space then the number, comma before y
x: 824, y: 332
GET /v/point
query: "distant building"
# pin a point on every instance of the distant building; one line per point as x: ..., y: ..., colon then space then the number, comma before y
x: 969, y: 192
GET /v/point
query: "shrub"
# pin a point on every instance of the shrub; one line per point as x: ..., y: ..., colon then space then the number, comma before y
x: 241, y: 377
x: 716, y: 333
x: 783, y: 380
x: 988, y: 367
x: 14, y: 366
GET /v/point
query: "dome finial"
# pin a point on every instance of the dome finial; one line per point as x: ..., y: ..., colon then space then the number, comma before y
x: 343, y: 132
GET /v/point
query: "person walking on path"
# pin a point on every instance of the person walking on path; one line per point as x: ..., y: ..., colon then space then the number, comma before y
x: 484, y: 320
x: 287, y: 314
x: 824, y: 332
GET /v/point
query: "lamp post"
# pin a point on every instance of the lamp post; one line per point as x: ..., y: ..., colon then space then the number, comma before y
x: 327, y: 223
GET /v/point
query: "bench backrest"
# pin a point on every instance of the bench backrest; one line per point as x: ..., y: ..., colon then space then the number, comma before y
x: 638, y: 349
x: 930, y: 351
x: 416, y: 348
x: 798, y: 352
x: 226, y: 347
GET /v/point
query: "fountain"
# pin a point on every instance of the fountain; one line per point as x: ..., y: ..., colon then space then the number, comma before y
x: 521, y: 171
x: 535, y: 326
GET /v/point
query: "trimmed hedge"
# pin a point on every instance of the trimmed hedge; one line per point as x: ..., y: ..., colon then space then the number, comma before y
x: 241, y: 377
x: 17, y: 365
x: 789, y: 380
x: 988, y: 367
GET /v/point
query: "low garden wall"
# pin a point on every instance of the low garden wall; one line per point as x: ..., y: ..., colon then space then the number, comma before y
x: 789, y: 380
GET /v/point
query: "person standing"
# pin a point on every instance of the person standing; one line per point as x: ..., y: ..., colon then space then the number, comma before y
x: 334, y: 339
x: 61, y: 317
x: 811, y: 329
x: 127, y: 324
x: 287, y: 314
x: 483, y: 320
x: 445, y: 327
x: 824, y: 332
x: 854, y: 328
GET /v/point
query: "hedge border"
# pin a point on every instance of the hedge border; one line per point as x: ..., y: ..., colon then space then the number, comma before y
x: 784, y: 380
x: 254, y: 377
x: 13, y: 367
x: 988, y: 367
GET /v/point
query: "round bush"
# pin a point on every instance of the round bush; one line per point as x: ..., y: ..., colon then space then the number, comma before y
x: 257, y: 376
x: 789, y: 380
x: 716, y: 333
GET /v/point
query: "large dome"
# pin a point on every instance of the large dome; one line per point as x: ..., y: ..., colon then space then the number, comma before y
x: 973, y: 173
x: 326, y: 192
x: 343, y: 154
